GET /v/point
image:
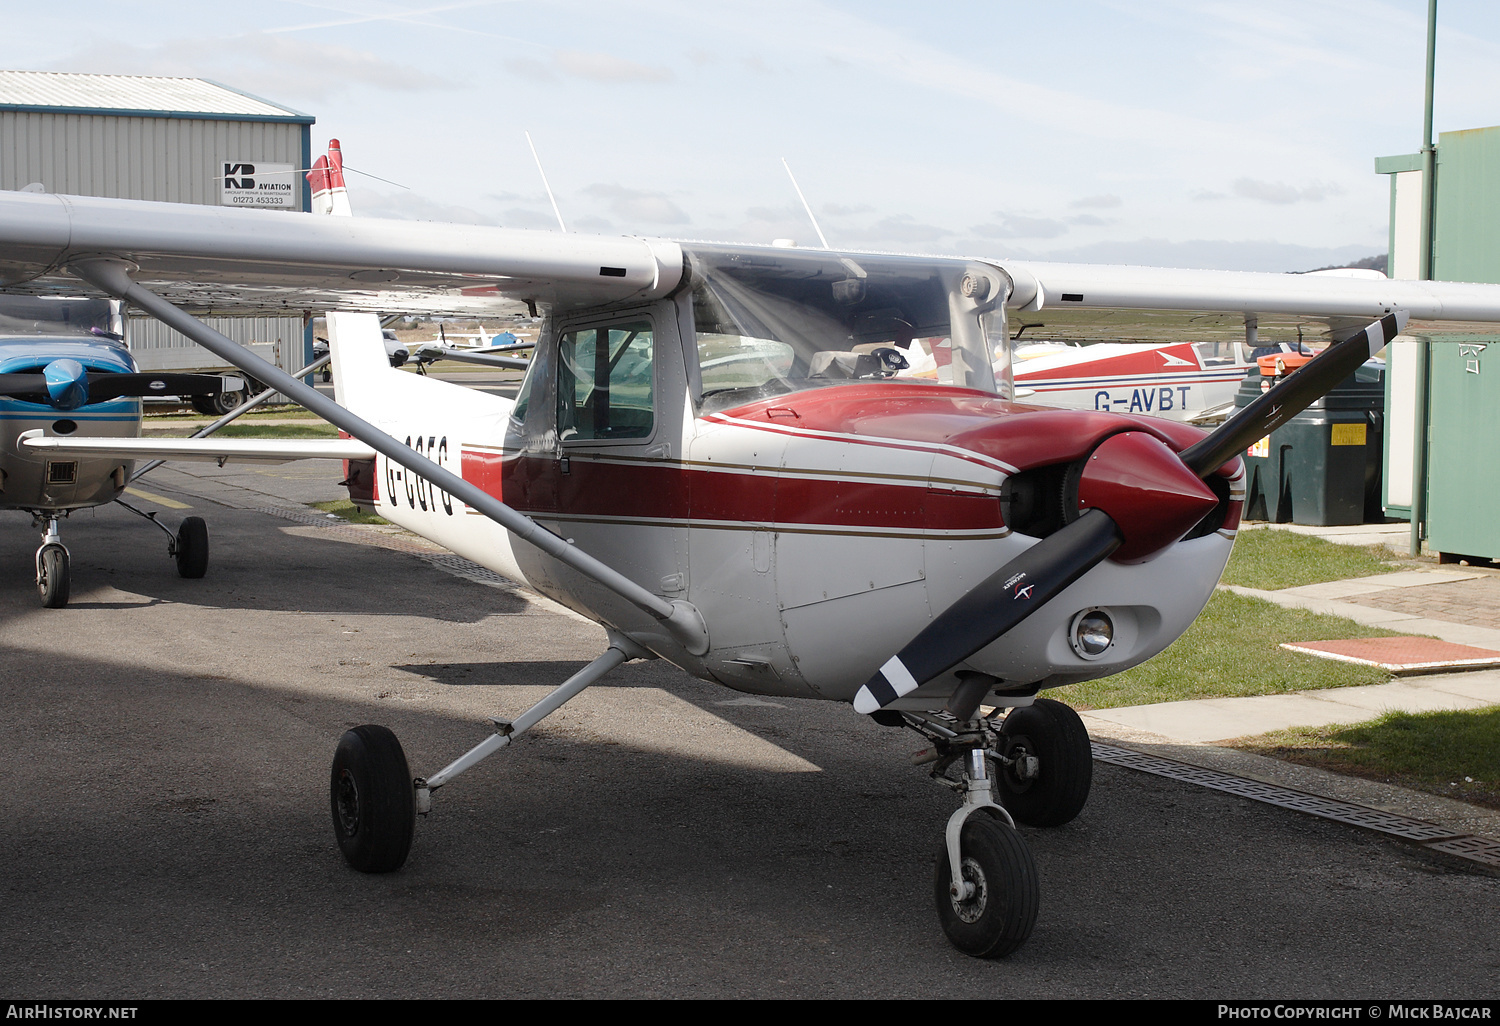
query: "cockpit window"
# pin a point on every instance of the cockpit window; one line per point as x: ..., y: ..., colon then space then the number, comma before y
x: 604, y: 382
x: 770, y: 323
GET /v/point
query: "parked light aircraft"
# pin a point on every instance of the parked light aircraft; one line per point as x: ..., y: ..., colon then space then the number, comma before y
x: 64, y: 369
x: 718, y: 455
x: 1187, y: 381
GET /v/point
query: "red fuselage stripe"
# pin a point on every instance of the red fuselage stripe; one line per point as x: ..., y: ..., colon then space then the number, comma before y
x: 671, y: 491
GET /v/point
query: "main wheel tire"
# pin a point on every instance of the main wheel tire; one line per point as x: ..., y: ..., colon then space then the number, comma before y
x: 1053, y: 733
x: 1001, y: 914
x: 222, y: 402
x: 372, y: 799
x: 192, y: 548
x: 54, y: 578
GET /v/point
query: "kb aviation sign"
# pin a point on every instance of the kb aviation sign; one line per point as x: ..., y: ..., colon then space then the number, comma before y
x: 257, y: 184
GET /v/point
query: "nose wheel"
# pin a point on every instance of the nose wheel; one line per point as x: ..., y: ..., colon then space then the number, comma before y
x: 53, y: 576
x: 994, y: 909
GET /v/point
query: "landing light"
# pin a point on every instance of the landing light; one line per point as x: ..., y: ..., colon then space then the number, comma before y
x: 1092, y: 633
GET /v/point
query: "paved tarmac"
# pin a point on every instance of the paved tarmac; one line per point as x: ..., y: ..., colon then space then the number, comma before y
x: 165, y: 829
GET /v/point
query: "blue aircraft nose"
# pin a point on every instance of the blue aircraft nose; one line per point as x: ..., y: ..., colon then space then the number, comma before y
x: 67, y: 384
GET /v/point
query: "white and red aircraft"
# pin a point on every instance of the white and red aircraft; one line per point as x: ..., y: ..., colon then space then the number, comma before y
x: 716, y: 455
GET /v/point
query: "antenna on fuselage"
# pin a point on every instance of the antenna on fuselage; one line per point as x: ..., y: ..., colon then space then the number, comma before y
x: 821, y: 238
x: 544, y: 183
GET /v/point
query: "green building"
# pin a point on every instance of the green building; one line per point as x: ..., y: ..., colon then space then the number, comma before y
x: 1454, y: 371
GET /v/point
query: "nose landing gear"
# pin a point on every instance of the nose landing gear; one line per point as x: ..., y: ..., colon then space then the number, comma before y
x: 53, y: 578
x: 1039, y: 763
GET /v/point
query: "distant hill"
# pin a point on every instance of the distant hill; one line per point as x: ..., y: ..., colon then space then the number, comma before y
x: 1373, y: 263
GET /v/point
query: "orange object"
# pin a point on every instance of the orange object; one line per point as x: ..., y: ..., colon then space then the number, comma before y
x: 1278, y: 364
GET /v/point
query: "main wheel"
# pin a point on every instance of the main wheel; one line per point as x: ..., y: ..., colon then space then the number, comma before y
x: 53, y: 578
x: 1001, y: 913
x: 1064, y: 767
x: 373, y: 801
x: 192, y: 548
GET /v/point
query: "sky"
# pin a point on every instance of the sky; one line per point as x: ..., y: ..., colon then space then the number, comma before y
x: 1182, y: 133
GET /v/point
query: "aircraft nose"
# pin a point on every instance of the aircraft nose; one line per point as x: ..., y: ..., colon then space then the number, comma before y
x: 67, y: 384
x: 1147, y: 490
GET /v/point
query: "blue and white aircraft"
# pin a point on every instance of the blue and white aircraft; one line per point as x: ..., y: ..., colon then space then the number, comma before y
x: 65, y: 372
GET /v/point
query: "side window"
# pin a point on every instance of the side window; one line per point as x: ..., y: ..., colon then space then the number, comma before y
x: 523, y: 397
x: 605, y: 382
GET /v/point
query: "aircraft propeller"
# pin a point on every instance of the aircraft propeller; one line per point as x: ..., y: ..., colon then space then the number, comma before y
x: 1138, y: 498
x: 67, y: 385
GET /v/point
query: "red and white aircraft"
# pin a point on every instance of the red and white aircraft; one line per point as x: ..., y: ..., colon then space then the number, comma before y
x: 1186, y: 381
x: 719, y: 454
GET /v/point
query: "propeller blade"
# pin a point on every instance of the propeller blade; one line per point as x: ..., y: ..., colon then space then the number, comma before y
x: 65, y: 388
x: 997, y: 604
x: 104, y: 386
x: 20, y: 386
x: 1291, y: 395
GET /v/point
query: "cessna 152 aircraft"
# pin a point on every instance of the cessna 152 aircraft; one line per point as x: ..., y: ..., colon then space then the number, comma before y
x: 715, y: 455
x: 64, y: 368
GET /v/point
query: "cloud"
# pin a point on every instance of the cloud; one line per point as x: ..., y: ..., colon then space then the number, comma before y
x: 525, y: 217
x: 901, y: 228
x: 1101, y: 202
x: 1216, y: 254
x: 1015, y: 226
x: 412, y: 206
x: 1280, y: 193
x: 271, y: 65
x: 635, y: 205
x: 1092, y: 220
x: 840, y: 210
x: 603, y: 67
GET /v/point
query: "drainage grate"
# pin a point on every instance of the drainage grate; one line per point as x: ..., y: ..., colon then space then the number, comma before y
x: 458, y: 566
x: 1479, y: 849
x: 1430, y: 835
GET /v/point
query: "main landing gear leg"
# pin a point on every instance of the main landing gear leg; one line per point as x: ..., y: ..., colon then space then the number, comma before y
x: 53, y: 576
x: 375, y: 800
x: 188, y: 546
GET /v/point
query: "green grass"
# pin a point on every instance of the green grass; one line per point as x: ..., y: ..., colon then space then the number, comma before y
x: 349, y: 511
x: 317, y: 429
x: 1232, y: 651
x: 260, y: 412
x: 1453, y: 754
x: 1272, y: 560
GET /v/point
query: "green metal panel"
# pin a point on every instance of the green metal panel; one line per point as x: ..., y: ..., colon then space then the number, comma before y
x: 1468, y: 206
x: 1463, y: 463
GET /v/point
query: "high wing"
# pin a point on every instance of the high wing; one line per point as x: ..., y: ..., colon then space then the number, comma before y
x: 231, y: 260
x: 203, y: 450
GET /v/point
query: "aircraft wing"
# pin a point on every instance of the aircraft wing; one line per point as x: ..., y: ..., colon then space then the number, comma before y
x: 230, y: 260
x: 1039, y: 285
x: 206, y: 450
x: 233, y: 261
x: 430, y: 353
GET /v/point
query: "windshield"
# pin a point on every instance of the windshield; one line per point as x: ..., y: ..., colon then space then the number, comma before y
x: 768, y: 323
x: 39, y: 315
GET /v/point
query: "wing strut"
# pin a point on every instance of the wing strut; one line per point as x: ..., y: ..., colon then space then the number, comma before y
x: 239, y: 411
x: 682, y: 619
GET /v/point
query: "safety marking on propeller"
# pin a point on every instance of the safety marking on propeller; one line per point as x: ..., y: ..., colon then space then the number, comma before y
x: 890, y: 682
x: 1430, y: 835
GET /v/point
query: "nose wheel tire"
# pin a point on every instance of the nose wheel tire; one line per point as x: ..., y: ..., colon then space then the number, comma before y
x: 1058, y: 787
x: 372, y: 800
x: 53, y: 578
x: 1001, y: 912
x: 191, y: 548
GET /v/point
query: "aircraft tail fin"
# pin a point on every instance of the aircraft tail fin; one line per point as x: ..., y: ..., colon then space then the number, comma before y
x: 361, y: 369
